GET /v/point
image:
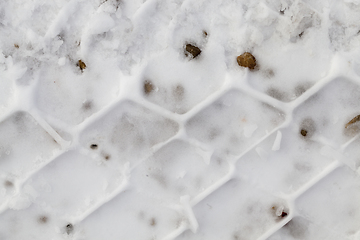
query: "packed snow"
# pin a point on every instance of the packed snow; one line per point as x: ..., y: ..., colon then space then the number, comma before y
x: 179, y: 119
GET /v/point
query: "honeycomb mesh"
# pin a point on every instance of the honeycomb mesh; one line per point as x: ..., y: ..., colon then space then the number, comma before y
x: 98, y: 143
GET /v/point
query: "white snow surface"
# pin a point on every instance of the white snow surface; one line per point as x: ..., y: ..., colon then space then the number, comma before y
x: 109, y: 130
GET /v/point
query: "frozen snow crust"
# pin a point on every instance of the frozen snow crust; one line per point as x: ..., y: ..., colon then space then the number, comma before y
x: 108, y: 130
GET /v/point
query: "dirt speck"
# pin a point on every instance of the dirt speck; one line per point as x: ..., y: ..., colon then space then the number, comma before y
x: 236, y: 236
x: 43, y: 219
x: 148, y: 87
x: 8, y: 184
x: 194, y: 51
x: 69, y: 228
x: 307, y: 128
x: 303, y: 132
x: 279, y: 211
x: 152, y: 222
x: 213, y: 133
x: 81, y: 65
x: 246, y: 60
x: 299, y: 90
x: 16, y: 45
x: 278, y: 94
x: 178, y: 92
x: 106, y: 156
x: 205, y: 33
x: 87, y: 105
x: 94, y: 146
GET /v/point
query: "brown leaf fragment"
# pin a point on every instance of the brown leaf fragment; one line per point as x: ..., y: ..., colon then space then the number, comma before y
x: 352, y: 121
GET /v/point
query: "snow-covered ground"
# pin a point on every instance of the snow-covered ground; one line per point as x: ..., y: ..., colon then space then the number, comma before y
x: 133, y: 119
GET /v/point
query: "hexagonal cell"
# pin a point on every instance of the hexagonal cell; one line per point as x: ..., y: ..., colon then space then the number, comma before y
x: 131, y: 215
x: 175, y: 84
x: 301, y: 228
x: 231, y: 124
x: 334, y: 202
x: 24, y: 147
x: 72, y: 184
x: 284, y: 169
x: 72, y: 97
x: 178, y: 169
x: 329, y: 120
x: 236, y: 211
x: 128, y: 132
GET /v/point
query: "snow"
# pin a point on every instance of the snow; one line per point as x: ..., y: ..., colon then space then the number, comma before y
x: 277, y: 141
x: 338, y: 191
x: 110, y: 128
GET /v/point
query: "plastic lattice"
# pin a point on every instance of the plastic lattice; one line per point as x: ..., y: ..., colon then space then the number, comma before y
x: 133, y: 120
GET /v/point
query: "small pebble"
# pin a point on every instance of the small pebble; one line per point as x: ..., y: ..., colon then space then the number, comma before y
x: 246, y: 60
x: 93, y: 146
x: 148, y: 87
x: 303, y: 132
x: 81, y: 65
x: 193, y: 50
